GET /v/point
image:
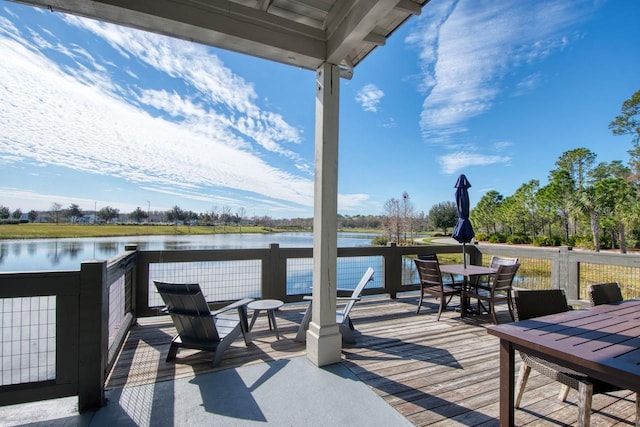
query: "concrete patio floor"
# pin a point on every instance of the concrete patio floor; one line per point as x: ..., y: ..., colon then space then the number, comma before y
x: 289, y: 392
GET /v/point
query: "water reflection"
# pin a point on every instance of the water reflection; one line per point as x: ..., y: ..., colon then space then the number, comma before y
x: 3, y: 250
x: 67, y: 254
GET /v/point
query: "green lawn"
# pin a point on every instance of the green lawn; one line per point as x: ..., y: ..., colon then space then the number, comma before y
x: 43, y: 231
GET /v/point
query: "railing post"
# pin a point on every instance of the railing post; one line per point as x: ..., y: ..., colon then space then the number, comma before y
x: 274, y: 274
x: 130, y: 282
x: 475, y: 256
x: 568, y: 274
x: 392, y: 270
x: 93, y: 331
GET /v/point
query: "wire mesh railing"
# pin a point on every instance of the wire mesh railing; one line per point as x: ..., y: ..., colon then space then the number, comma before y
x: 27, y: 339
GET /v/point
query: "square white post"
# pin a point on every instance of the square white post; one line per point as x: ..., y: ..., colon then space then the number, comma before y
x: 324, y: 341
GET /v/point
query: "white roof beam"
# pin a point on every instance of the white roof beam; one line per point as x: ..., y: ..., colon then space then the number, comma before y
x: 409, y: 7
x: 355, y: 26
x: 217, y: 23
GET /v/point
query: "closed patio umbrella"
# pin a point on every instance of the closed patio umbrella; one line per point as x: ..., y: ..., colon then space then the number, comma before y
x: 463, y: 232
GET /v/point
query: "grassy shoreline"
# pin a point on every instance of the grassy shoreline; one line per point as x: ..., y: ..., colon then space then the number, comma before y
x: 50, y: 231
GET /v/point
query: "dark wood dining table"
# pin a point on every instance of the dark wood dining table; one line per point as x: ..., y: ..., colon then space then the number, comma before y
x: 467, y: 272
x: 602, y: 341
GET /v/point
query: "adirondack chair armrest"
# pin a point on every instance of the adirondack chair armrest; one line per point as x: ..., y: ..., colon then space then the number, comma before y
x: 307, y: 298
x: 232, y: 306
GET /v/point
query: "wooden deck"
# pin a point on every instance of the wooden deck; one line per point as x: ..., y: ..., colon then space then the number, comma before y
x: 433, y: 373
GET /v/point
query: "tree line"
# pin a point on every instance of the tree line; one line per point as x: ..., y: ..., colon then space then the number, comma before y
x: 585, y: 203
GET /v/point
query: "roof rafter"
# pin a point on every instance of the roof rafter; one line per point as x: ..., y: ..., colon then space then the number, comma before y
x: 303, y: 33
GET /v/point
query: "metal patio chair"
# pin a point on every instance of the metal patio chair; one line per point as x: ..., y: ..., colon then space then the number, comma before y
x: 431, y: 283
x: 499, y: 290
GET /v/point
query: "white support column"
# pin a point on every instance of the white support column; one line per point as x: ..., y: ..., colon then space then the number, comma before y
x: 324, y: 341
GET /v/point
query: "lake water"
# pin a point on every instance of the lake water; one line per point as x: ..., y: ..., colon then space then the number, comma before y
x: 67, y: 254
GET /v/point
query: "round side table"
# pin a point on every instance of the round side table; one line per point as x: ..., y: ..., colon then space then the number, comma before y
x: 270, y: 305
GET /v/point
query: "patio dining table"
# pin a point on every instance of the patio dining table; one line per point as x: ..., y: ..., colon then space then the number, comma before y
x: 467, y: 272
x: 603, y: 342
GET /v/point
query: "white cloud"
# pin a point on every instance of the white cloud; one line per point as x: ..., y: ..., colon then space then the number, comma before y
x: 48, y: 116
x: 193, y: 64
x: 454, y: 162
x: 502, y: 145
x: 369, y: 97
x: 351, y: 202
x: 467, y: 47
x: 528, y: 84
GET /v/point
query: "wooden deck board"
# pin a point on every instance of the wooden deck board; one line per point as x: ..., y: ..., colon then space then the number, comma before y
x: 435, y: 373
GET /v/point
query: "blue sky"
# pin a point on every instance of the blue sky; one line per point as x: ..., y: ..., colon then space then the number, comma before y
x: 98, y: 115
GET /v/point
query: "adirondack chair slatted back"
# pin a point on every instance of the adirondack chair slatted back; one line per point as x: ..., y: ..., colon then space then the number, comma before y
x: 366, y: 278
x: 189, y: 311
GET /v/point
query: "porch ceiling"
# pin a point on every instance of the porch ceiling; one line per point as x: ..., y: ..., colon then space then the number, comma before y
x: 303, y: 33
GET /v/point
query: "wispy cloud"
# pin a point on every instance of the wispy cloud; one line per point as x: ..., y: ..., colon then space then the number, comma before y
x: 82, y: 116
x: 351, y: 202
x: 369, y: 97
x: 454, y: 162
x: 228, y: 95
x: 468, y: 47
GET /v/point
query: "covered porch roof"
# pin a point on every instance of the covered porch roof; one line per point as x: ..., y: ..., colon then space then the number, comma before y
x: 302, y: 33
x: 329, y: 36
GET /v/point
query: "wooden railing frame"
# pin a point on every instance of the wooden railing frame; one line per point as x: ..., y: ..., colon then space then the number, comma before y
x: 82, y: 314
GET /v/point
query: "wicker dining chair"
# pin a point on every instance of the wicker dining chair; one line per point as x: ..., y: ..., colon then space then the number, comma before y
x: 604, y: 293
x: 536, y: 303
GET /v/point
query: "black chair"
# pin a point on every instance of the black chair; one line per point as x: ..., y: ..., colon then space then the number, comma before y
x: 431, y: 283
x: 604, y: 293
x: 499, y: 290
x: 198, y: 327
x: 536, y: 303
x: 451, y: 281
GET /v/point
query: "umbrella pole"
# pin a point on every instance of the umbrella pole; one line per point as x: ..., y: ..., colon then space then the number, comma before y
x: 464, y: 255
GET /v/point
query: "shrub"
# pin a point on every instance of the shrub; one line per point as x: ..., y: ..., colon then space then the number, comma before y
x: 482, y: 237
x: 547, y: 241
x: 518, y: 239
x: 583, y: 242
x: 380, y: 240
x: 497, y: 238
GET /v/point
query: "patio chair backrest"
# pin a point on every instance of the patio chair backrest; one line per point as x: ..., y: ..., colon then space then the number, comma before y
x: 503, y: 279
x: 366, y: 278
x: 497, y: 261
x: 604, y: 293
x: 189, y: 311
x: 429, y: 273
x: 536, y: 303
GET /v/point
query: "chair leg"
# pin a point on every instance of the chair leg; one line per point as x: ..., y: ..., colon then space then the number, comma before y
x: 420, y: 301
x: 244, y: 324
x: 510, y: 306
x: 443, y: 304
x: 637, y: 409
x: 523, y: 376
x: 493, y: 312
x: 173, y: 351
x: 563, y: 393
x: 585, y: 393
